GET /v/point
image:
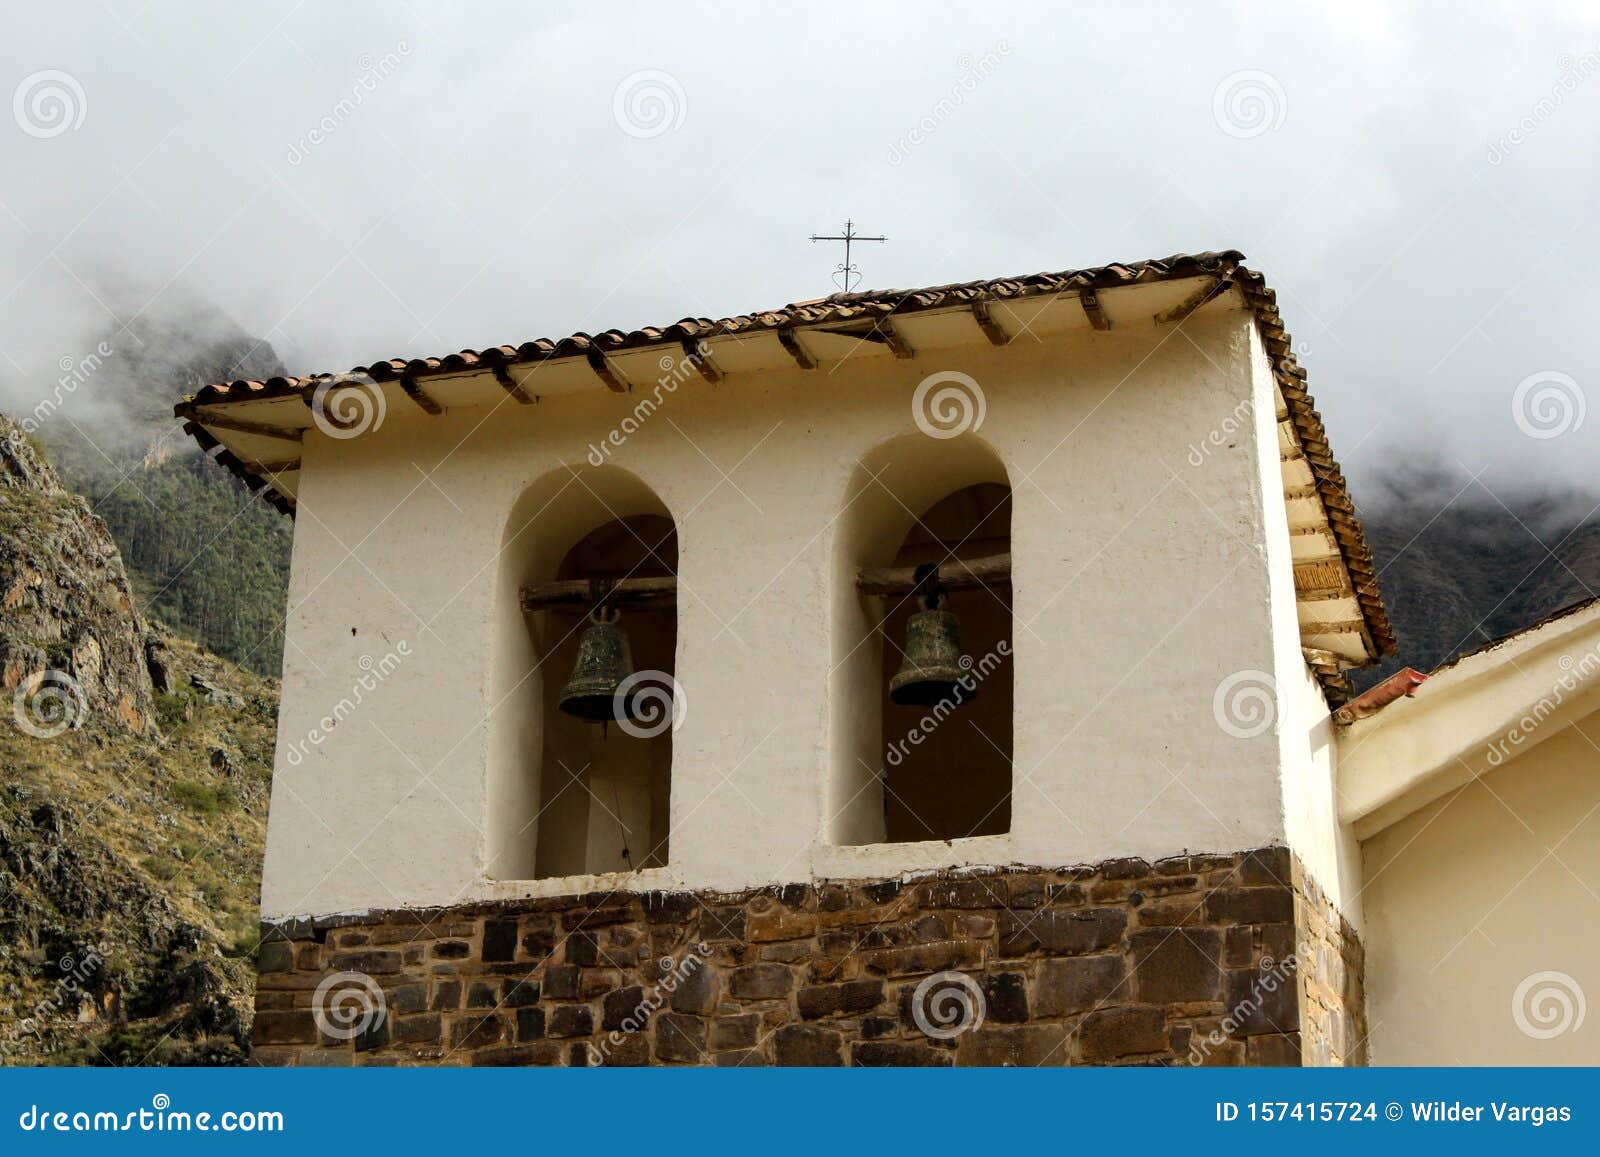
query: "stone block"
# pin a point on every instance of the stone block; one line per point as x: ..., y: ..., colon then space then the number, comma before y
x: 1020, y: 1046
x: 898, y: 1054
x: 624, y: 1011
x: 275, y: 956
x: 807, y: 1045
x: 530, y: 1023
x: 697, y: 990
x: 273, y: 1028
x: 1061, y: 931
x: 735, y: 1032
x: 568, y: 1020
x: 761, y: 981
x: 942, y: 957
x: 851, y: 998
x: 680, y: 1037
x: 471, y: 1031
x: 417, y: 1030
x: 1005, y: 997
x: 1077, y: 984
x: 1177, y: 965
x: 1110, y: 1034
x: 1250, y: 906
x: 561, y: 982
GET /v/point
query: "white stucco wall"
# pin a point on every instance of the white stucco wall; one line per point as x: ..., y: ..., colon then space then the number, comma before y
x: 1140, y: 582
x: 1473, y: 896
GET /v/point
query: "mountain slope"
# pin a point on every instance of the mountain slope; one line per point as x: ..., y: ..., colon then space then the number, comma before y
x: 202, y: 555
x: 1459, y: 567
x: 132, y: 809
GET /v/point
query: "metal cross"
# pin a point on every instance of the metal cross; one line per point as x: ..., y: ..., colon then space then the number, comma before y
x: 847, y: 237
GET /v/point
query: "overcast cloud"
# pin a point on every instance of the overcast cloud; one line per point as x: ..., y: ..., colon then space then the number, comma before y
x: 355, y: 181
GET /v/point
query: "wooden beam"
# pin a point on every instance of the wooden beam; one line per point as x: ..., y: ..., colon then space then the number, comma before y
x: 613, y: 380
x: 1296, y: 493
x: 1321, y: 576
x: 243, y: 426
x: 791, y: 343
x: 701, y: 361
x: 1347, y: 627
x: 957, y: 574
x: 1213, y: 288
x: 511, y: 386
x: 578, y: 594
x: 892, y: 339
x: 1090, y: 300
x: 408, y: 383
x: 986, y: 322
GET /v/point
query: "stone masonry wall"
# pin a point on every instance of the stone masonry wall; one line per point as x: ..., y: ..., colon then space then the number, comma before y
x: 1333, y: 1011
x: 1186, y: 961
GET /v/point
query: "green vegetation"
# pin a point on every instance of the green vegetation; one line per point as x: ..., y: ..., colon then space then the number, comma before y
x: 130, y: 866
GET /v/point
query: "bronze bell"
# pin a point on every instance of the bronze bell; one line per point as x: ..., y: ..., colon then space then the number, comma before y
x: 934, y: 670
x: 604, y: 660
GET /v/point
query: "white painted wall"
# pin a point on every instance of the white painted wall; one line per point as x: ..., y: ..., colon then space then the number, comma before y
x: 1473, y: 894
x: 1140, y: 581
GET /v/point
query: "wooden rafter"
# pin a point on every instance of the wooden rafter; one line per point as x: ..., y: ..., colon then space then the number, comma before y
x: 512, y: 387
x: 892, y: 338
x: 408, y: 383
x: 701, y: 361
x: 1090, y: 300
x: 1215, y: 287
x: 604, y: 371
x: 242, y: 425
x: 986, y: 322
x: 797, y: 351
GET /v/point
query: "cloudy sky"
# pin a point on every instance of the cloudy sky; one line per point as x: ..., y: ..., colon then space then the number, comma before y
x: 362, y: 180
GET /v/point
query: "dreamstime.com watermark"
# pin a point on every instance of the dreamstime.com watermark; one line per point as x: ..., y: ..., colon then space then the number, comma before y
x: 1575, y: 673
x: 948, y: 404
x: 1269, y: 976
x: 673, y: 974
x: 648, y: 103
x: 160, y: 1117
x: 1548, y: 1004
x: 1245, y: 704
x: 1223, y: 433
x: 49, y: 703
x: 347, y: 1005
x: 348, y: 405
x: 966, y: 687
x: 947, y: 1004
x: 648, y: 703
x: 1548, y: 404
x: 63, y: 1001
x: 1569, y: 74
x: 74, y: 373
x: 1248, y: 103
x: 374, y: 672
x: 674, y: 372
x: 972, y: 73
x: 48, y: 103
x: 372, y: 74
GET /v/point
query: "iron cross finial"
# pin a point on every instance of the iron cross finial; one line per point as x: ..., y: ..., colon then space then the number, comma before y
x: 848, y: 270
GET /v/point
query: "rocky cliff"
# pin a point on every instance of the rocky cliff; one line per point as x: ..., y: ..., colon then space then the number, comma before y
x: 132, y: 807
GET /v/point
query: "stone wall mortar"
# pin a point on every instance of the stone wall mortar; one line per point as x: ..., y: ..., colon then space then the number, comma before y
x: 1123, y: 962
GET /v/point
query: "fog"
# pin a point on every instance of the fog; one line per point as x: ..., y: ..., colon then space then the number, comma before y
x: 360, y: 181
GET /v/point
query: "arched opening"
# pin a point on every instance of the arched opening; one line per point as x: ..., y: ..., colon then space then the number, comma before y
x: 940, y: 769
x: 569, y: 796
x: 947, y: 764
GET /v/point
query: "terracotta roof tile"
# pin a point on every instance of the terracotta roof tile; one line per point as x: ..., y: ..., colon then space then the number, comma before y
x: 842, y: 307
